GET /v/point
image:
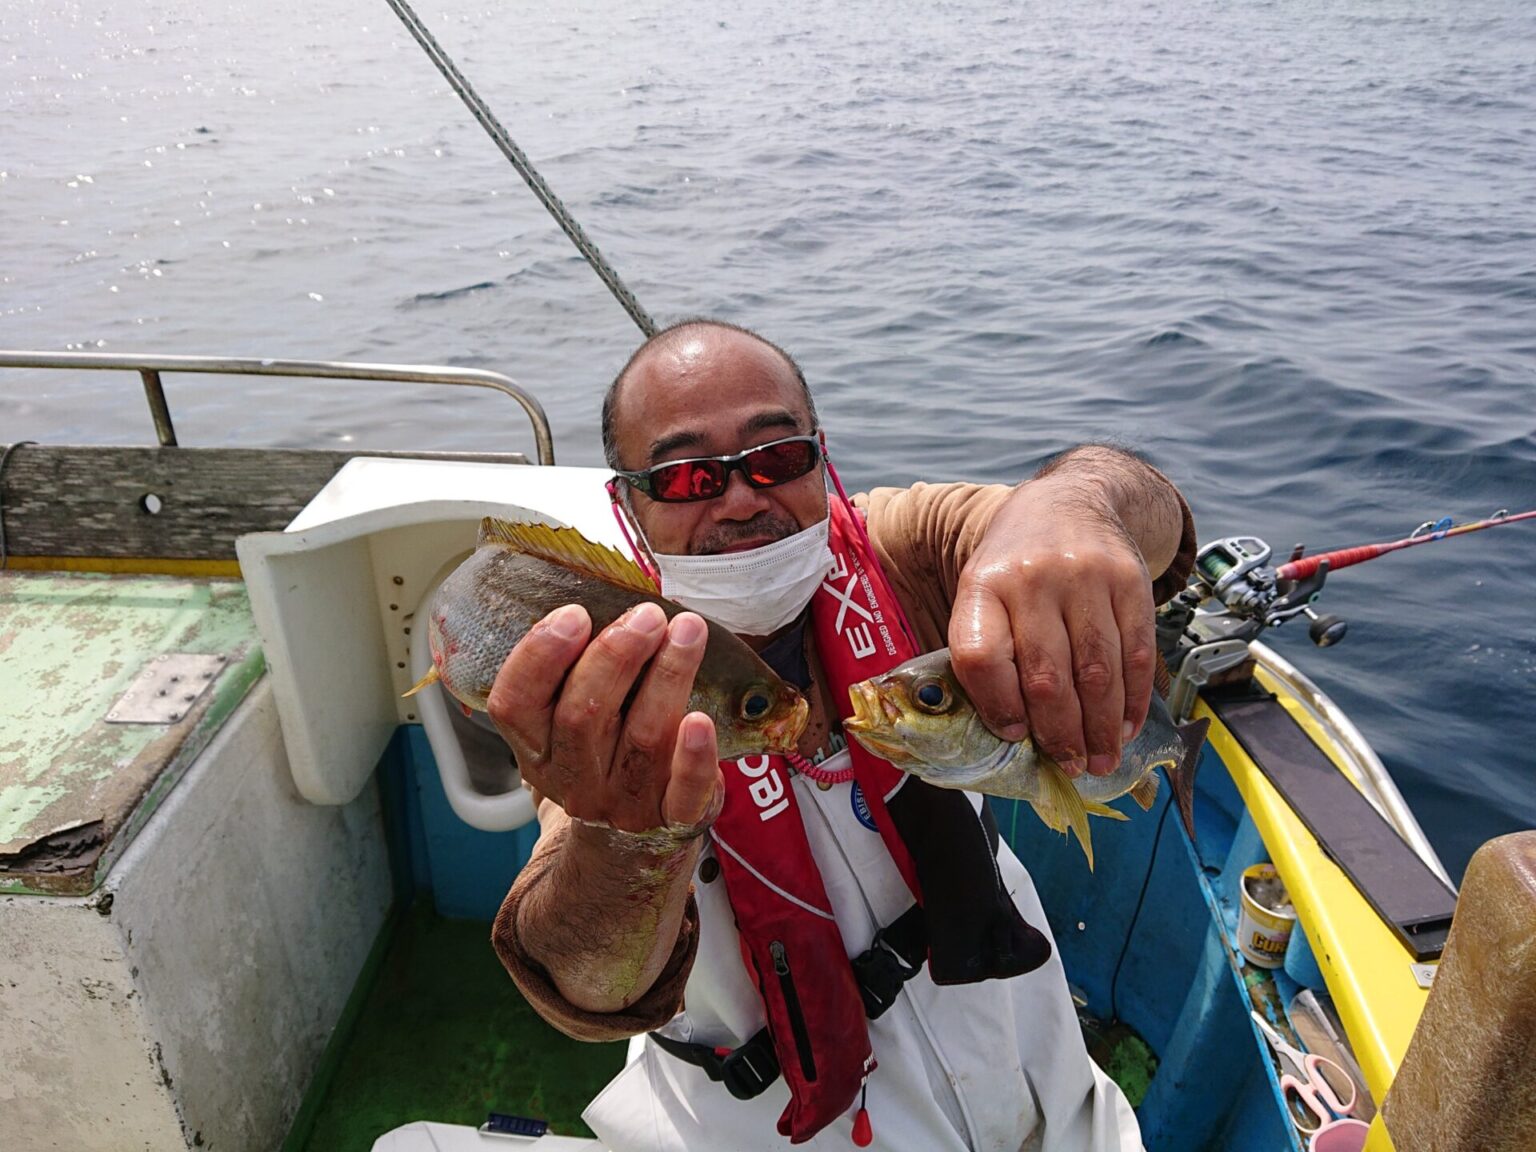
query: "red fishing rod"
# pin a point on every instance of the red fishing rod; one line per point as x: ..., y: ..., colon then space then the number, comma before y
x: 1243, y: 594
x: 1301, y: 567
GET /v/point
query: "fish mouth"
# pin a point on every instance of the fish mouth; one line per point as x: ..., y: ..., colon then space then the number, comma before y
x: 784, y: 734
x: 874, y: 717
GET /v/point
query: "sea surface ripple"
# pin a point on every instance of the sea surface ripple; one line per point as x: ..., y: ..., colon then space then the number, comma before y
x: 1286, y: 250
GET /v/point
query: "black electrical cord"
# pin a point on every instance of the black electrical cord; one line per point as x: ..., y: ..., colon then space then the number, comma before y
x: 1157, y: 840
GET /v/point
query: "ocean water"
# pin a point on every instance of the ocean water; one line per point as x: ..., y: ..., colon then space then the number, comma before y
x: 1286, y: 250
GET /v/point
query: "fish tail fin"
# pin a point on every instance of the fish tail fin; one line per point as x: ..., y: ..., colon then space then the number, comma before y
x: 430, y: 678
x: 1061, y: 806
x: 1182, y: 776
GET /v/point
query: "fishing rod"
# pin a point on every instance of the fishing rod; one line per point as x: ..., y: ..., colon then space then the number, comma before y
x: 1247, y: 594
x: 503, y: 140
x: 1299, y: 567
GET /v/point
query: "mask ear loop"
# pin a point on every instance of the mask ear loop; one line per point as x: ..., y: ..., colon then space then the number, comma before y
x: 857, y: 518
x: 642, y: 557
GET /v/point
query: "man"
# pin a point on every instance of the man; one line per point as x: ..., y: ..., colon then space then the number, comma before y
x: 638, y: 913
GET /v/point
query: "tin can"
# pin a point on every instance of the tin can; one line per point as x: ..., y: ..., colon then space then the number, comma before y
x: 1265, y: 917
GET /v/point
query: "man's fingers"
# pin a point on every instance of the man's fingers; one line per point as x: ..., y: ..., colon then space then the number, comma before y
x: 1046, y: 677
x: 981, y: 653
x: 587, y: 715
x: 651, y: 725
x: 1099, y: 684
x: 1134, y: 613
x: 695, y: 789
x: 522, y: 698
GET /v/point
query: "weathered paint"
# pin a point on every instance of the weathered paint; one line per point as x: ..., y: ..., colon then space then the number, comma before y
x: 74, y: 788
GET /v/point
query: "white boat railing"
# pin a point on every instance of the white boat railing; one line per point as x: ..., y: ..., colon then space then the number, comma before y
x: 150, y: 369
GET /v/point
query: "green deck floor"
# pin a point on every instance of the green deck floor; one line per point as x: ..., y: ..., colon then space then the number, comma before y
x: 444, y: 1035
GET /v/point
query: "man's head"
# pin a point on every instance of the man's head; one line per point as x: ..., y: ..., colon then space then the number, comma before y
x: 706, y: 388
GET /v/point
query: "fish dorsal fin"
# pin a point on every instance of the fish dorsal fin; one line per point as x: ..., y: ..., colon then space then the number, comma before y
x: 1145, y: 790
x: 1065, y: 805
x: 1094, y: 808
x: 567, y: 547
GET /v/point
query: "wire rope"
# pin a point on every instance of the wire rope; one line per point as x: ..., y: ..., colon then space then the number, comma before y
x: 482, y: 112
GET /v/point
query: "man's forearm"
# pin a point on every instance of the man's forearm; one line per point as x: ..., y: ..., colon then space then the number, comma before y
x: 605, y: 916
x: 1144, y: 500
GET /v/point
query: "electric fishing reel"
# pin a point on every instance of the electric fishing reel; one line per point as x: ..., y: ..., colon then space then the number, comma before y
x: 1234, y: 594
x: 1236, y: 573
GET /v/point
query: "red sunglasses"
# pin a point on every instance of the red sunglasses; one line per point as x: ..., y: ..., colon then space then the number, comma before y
x: 705, y: 477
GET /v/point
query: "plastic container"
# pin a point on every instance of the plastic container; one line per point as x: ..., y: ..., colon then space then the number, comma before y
x: 1264, y: 925
x: 1339, y: 1136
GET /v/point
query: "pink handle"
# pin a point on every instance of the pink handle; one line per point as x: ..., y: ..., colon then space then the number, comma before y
x: 1316, y: 1093
x: 1323, y: 1086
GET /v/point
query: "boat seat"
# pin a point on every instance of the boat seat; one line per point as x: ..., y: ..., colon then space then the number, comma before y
x: 1466, y: 1082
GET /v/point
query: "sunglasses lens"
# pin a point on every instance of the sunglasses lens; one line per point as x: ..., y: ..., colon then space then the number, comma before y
x: 688, y: 480
x: 779, y: 463
x: 705, y: 479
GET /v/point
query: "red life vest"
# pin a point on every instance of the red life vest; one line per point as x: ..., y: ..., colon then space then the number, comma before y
x: 789, y: 939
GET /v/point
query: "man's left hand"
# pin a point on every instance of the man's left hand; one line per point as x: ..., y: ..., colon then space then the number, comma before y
x: 1052, y: 630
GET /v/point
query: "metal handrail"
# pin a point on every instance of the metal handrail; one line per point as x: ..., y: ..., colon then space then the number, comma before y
x: 1376, y: 781
x: 149, y: 369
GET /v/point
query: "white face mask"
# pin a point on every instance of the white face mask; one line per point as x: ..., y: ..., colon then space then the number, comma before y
x: 756, y: 592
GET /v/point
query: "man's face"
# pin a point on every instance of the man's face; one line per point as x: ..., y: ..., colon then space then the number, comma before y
x: 715, y: 392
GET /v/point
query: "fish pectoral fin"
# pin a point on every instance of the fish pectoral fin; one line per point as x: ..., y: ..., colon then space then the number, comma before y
x: 1144, y: 792
x: 1050, y: 816
x: 1094, y: 808
x: 430, y: 678
x: 567, y: 547
x: 1061, y: 799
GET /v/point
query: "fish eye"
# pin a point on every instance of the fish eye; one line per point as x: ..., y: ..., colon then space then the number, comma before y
x: 931, y: 695
x: 755, y: 704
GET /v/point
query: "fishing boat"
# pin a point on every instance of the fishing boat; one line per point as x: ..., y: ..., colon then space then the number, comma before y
x: 245, y: 883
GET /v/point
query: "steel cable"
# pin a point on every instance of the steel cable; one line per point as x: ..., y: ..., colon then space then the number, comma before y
x: 525, y: 168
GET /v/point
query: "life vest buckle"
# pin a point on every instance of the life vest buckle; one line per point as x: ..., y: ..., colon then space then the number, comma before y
x: 880, y: 971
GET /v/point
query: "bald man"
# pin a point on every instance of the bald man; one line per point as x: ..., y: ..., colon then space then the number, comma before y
x: 815, y: 948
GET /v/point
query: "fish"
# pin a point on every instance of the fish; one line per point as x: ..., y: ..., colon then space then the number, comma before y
x: 520, y: 572
x: 919, y: 718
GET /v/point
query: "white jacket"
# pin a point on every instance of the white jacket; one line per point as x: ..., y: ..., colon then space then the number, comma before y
x: 997, y: 1066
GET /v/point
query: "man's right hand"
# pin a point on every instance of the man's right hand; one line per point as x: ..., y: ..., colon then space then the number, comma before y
x: 558, y: 701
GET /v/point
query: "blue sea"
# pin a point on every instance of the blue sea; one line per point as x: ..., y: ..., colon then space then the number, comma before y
x: 1287, y: 250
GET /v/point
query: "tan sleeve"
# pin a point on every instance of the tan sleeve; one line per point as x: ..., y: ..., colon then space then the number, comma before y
x: 925, y: 535
x: 651, y: 1011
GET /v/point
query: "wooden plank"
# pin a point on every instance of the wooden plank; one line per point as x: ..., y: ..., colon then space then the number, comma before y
x: 168, y: 503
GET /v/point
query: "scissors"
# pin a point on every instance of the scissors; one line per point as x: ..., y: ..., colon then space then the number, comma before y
x: 1305, y: 1082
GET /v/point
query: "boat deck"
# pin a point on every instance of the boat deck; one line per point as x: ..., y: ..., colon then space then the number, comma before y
x: 76, y: 782
x: 443, y: 1034
x: 439, y: 1032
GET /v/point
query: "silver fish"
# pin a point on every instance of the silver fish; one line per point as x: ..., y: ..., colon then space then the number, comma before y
x: 919, y: 718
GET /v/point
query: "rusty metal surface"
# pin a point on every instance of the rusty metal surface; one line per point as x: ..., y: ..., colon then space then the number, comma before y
x: 73, y: 787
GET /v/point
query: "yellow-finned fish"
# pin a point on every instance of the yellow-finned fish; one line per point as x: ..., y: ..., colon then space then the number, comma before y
x: 520, y: 572
x: 919, y: 718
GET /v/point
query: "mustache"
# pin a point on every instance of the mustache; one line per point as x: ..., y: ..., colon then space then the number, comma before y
x: 764, y: 526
